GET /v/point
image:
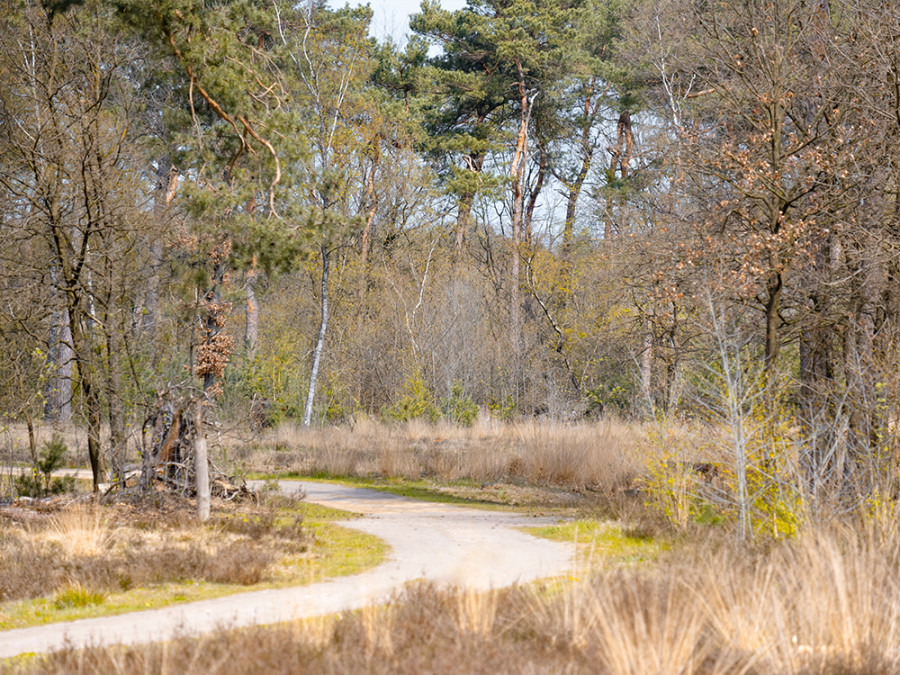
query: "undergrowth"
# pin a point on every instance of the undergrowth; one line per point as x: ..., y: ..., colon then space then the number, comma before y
x: 826, y: 602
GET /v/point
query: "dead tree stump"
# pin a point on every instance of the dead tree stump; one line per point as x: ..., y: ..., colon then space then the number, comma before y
x: 177, y: 457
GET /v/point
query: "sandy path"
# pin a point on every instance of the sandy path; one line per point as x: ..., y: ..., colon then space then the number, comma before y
x: 443, y: 543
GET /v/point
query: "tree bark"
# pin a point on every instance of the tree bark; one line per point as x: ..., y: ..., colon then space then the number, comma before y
x: 573, y: 192
x: 517, y: 175
x: 532, y: 200
x: 86, y: 379
x: 92, y: 402
x: 772, y: 308
x: 372, y: 208
x: 646, y: 364
x: 464, y: 207
x: 58, y: 393
x: 620, y: 156
x: 215, y: 314
x: 201, y: 464
x: 320, y: 341
x: 117, y: 433
x: 163, y: 194
x: 860, y: 358
x: 251, y: 317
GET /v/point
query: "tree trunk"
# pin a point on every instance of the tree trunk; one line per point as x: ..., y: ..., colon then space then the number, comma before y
x: 860, y: 358
x: 372, y: 208
x: 573, y: 192
x: 625, y: 141
x: 817, y: 378
x: 117, y: 433
x: 646, y: 365
x: 673, y: 378
x: 517, y: 175
x: 86, y: 380
x: 464, y: 207
x: 58, y: 393
x: 201, y: 464
x: 573, y: 189
x: 320, y: 341
x: 773, y: 307
x: 92, y: 401
x: 620, y: 156
x: 251, y: 317
x: 215, y: 316
x: 532, y: 201
x: 163, y: 194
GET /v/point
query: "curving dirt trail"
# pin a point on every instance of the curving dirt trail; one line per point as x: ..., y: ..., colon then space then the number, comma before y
x: 442, y: 543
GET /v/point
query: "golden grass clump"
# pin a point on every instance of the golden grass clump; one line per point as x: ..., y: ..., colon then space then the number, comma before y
x: 80, y: 530
x: 476, y: 612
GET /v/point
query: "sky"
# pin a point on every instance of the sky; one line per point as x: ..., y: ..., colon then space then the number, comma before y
x: 391, y: 17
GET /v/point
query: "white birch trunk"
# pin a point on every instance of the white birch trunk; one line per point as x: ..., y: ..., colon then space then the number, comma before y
x: 320, y: 342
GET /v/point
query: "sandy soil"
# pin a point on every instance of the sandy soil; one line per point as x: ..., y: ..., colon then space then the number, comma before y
x: 441, y: 543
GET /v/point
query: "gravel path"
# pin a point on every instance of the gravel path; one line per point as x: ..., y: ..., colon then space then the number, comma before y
x: 442, y: 543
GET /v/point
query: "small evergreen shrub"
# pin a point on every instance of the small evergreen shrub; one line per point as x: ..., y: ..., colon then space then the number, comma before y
x: 459, y: 407
x: 40, y: 482
x: 416, y: 403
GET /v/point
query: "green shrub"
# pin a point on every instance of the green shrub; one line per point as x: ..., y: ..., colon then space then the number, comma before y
x: 416, y: 403
x: 459, y: 407
x: 40, y: 482
x: 504, y: 409
x: 617, y: 394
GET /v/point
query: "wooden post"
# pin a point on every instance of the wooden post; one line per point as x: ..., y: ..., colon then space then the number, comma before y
x: 201, y: 465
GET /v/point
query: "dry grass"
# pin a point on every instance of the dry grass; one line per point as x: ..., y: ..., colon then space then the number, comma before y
x: 604, y: 455
x: 81, y: 530
x: 117, y: 547
x: 826, y: 603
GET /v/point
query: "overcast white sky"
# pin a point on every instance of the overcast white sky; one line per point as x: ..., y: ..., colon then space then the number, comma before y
x: 391, y: 17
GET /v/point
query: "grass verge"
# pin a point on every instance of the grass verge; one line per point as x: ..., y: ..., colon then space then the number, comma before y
x: 324, y: 549
x: 602, y: 544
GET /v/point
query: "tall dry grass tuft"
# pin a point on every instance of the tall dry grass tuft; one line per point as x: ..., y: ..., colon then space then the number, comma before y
x: 646, y: 625
x: 476, y: 612
x: 378, y: 626
x: 81, y: 530
x: 600, y: 455
x: 829, y: 598
x: 316, y: 632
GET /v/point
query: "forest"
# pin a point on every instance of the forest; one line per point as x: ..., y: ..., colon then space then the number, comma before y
x: 558, y: 210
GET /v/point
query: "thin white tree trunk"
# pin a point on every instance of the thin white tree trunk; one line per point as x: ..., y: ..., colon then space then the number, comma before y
x: 646, y: 366
x: 201, y: 465
x: 320, y: 342
x: 251, y: 326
